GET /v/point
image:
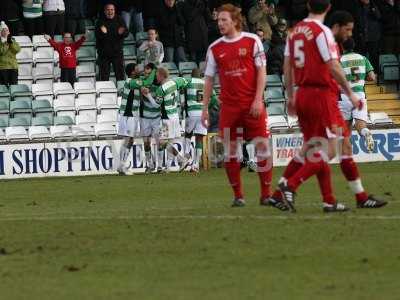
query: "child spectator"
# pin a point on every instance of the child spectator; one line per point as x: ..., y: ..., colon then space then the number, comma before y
x: 67, y: 51
x: 152, y: 50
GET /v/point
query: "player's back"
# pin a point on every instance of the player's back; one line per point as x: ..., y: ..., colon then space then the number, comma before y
x: 356, y: 68
x: 311, y: 45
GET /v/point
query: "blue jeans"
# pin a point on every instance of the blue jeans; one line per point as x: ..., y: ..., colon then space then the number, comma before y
x: 175, y: 55
x: 136, y: 18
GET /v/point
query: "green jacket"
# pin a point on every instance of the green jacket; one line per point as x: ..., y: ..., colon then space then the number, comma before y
x: 8, y: 53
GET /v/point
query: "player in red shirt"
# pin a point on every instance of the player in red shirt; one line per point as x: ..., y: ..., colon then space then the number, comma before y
x: 311, y: 64
x: 67, y: 52
x: 240, y: 61
x: 341, y: 24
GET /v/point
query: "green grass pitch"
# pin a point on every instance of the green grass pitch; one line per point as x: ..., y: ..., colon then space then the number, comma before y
x: 175, y: 236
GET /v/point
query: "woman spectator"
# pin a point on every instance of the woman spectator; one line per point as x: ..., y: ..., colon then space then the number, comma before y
x: 32, y: 10
x: 8, y: 60
x: 54, y: 12
x: 196, y: 16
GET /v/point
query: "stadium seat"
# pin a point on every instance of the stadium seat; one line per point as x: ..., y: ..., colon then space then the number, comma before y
x: 86, y: 106
x: 58, y: 38
x: 140, y: 37
x: 63, y: 120
x: 89, y: 25
x: 106, y: 103
x: 120, y: 87
x: 67, y: 104
x: 24, y: 41
x: 4, y: 92
x: 43, y: 74
x: 86, y: 54
x: 42, y: 107
x: 21, y: 107
x: 39, y: 133
x: 64, y: 91
x: 129, y: 40
x: 61, y: 132
x: 105, y: 130
x: 129, y: 54
x: 106, y: 89
x: 25, y: 74
x: 43, y: 91
x: 277, y: 122
x: 4, y: 106
x: 388, y: 64
x: 43, y: 57
x: 19, y: 122
x: 202, y: 66
x: 173, y: 70
x: 4, y: 121
x: 277, y: 105
x: 3, y: 137
x: 25, y: 56
x: 273, y: 80
x: 40, y: 42
x: 90, y: 39
x: 275, y: 111
x: 85, y: 89
x: 185, y: 68
x: 83, y: 131
x: 20, y: 91
x: 107, y: 118
x: 86, y: 72
x: 42, y: 121
x: 380, y: 118
x: 16, y: 133
x: 293, y: 122
x: 274, y: 93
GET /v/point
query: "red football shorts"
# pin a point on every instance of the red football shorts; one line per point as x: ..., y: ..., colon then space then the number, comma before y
x: 339, y: 126
x: 316, y: 117
x: 236, y: 120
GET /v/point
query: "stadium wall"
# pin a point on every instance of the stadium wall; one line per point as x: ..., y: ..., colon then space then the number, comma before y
x: 77, y: 158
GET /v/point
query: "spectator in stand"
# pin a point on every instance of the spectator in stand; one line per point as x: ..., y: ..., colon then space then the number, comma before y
x: 276, y: 52
x: 367, y: 30
x: 261, y: 35
x: 54, y: 12
x: 213, y: 30
x: 390, y: 10
x: 75, y: 14
x: 32, y: 11
x: 67, y: 51
x: 131, y: 10
x: 296, y: 10
x: 152, y: 50
x: 263, y: 16
x: 110, y: 34
x: 151, y: 11
x: 8, y: 56
x: 10, y: 13
x: 196, y: 16
x: 170, y: 26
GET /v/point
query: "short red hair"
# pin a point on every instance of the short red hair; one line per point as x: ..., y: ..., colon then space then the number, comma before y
x: 235, y: 13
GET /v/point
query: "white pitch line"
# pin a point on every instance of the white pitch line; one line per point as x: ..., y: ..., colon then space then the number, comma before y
x: 199, y: 217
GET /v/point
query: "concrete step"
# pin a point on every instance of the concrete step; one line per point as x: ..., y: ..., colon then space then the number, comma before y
x: 390, y: 112
x: 384, y: 104
x: 396, y: 119
x: 382, y: 96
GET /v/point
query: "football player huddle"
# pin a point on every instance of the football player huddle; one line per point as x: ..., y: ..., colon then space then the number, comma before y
x: 153, y: 107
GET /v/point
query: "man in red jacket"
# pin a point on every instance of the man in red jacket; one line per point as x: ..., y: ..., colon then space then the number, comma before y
x: 67, y: 51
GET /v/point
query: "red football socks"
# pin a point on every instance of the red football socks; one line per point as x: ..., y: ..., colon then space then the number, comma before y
x: 350, y: 172
x: 265, y: 175
x: 232, y: 169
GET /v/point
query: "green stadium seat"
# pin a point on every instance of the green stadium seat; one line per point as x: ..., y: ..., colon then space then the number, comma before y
x: 42, y: 105
x: 187, y: 67
x: 4, y: 121
x: 21, y: 106
x: 58, y: 38
x: 129, y: 53
x: 42, y: 121
x: 90, y: 39
x: 89, y: 25
x: 19, y: 121
x: 388, y: 66
x: 4, y: 105
x: 275, y: 110
x: 120, y: 86
x: 86, y: 54
x: 273, y: 93
x: 173, y: 70
x: 20, y: 90
x: 273, y: 80
x: 129, y: 40
x: 4, y: 92
x: 140, y: 37
x: 63, y: 120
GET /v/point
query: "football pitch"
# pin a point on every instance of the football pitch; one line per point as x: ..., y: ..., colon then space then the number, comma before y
x: 175, y: 236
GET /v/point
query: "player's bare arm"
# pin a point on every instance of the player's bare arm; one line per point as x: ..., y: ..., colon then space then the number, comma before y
x: 338, y: 73
x: 371, y: 76
x: 207, y: 92
x: 258, y: 104
x: 288, y: 75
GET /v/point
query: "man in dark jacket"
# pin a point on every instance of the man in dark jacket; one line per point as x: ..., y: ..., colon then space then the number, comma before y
x: 10, y: 13
x: 170, y: 29
x: 196, y: 16
x: 390, y: 10
x: 150, y: 13
x: 75, y: 13
x: 110, y: 34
